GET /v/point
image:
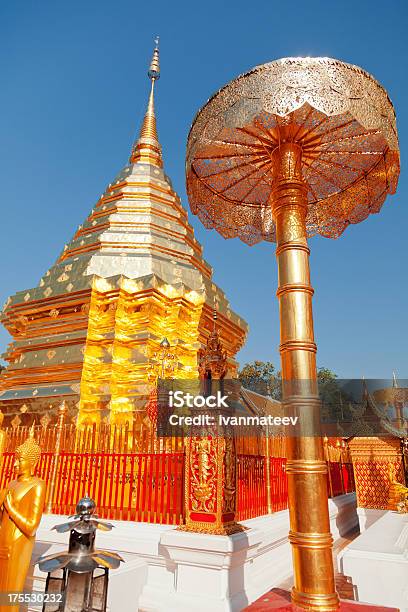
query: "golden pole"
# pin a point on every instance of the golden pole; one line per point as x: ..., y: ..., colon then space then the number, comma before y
x: 314, y: 586
x: 269, y: 158
x: 55, y: 459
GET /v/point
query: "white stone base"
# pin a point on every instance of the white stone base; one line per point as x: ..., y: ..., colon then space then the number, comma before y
x: 368, y: 516
x: 377, y: 562
x: 167, y: 570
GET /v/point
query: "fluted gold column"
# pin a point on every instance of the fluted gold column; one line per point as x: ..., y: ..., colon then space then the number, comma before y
x: 314, y: 586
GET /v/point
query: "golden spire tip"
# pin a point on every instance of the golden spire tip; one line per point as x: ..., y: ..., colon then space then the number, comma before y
x: 147, y: 147
x: 154, y: 69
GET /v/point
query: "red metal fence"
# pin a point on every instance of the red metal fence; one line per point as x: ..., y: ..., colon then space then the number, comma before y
x: 150, y: 486
x: 125, y: 486
x: 252, y: 486
x: 340, y: 478
x: 253, y: 491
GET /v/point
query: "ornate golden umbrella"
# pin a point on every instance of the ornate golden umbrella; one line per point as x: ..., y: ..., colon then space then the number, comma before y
x: 396, y: 397
x: 293, y: 148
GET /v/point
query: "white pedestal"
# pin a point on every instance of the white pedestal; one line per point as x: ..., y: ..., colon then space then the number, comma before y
x: 167, y: 570
x: 209, y: 572
x: 377, y: 562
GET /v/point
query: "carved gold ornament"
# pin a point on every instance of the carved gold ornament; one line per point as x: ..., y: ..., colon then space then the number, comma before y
x: 203, y: 466
x: 15, y: 422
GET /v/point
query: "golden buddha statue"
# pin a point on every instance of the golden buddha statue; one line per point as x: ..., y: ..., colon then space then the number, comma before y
x: 21, y: 507
x: 398, y: 493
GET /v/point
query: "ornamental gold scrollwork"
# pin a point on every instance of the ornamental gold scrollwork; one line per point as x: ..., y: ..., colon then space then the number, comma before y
x: 229, y: 475
x: 203, y: 470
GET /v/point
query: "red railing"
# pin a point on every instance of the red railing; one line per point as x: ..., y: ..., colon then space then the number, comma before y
x: 125, y: 486
x: 252, y: 486
x: 340, y: 478
x: 149, y: 486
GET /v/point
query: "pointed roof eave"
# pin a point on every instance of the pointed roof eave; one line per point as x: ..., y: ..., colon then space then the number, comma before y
x: 146, y: 148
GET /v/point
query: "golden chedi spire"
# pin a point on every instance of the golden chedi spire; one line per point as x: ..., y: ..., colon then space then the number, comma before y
x: 147, y: 148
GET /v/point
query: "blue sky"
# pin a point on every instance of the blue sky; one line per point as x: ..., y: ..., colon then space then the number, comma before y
x: 73, y: 93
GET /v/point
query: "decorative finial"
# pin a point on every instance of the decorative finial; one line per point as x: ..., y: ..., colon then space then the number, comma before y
x: 165, y: 343
x: 394, y: 380
x: 154, y: 70
x: 147, y: 148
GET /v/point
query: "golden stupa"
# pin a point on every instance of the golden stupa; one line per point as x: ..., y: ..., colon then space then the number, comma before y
x: 132, y: 275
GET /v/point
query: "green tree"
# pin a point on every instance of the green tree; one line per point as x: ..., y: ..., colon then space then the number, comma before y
x: 335, y: 402
x: 261, y: 377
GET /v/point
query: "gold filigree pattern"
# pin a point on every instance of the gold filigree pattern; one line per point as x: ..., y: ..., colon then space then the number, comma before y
x: 229, y: 476
x: 210, y: 485
x: 203, y: 470
x: 373, y: 458
x: 337, y: 113
x: 372, y: 483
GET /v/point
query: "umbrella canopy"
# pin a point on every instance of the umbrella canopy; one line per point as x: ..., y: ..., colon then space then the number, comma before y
x: 338, y: 114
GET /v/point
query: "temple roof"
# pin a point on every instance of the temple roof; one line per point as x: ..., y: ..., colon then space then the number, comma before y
x: 370, y: 418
